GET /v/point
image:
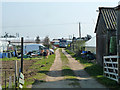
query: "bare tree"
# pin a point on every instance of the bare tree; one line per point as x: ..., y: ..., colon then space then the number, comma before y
x: 37, y: 40
x: 46, y: 41
x: 89, y: 36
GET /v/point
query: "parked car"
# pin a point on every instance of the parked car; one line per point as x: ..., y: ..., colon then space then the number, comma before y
x: 62, y: 45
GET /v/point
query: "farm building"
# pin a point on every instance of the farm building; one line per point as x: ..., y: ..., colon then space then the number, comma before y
x: 105, y: 30
x: 91, y: 45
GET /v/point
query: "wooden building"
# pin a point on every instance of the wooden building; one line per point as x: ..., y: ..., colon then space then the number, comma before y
x: 105, y: 29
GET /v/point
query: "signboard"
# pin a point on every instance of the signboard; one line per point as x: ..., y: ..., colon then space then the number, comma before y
x: 21, y: 80
x: 21, y: 76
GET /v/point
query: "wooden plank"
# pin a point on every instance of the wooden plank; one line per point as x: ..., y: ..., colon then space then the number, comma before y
x: 112, y: 62
x: 114, y: 56
x: 21, y: 76
x: 111, y: 68
x: 21, y: 81
x: 113, y: 79
x: 111, y: 73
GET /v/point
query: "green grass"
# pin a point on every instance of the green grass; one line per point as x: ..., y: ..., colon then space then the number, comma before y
x: 15, y: 58
x: 66, y: 70
x: 41, y: 71
x: 40, y: 76
x: 63, y: 57
x: 95, y: 71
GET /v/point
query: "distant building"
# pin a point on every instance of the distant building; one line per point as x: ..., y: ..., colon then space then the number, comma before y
x: 17, y: 41
x: 55, y: 42
x: 105, y: 29
x: 3, y: 46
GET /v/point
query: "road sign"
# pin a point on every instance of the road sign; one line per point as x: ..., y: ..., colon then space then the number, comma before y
x: 21, y: 81
x: 21, y: 76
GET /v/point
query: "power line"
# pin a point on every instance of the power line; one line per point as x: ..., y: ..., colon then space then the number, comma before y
x: 39, y: 25
x: 43, y: 25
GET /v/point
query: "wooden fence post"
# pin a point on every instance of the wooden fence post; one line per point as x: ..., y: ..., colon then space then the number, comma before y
x: 5, y: 80
x: 16, y: 80
x: 10, y: 82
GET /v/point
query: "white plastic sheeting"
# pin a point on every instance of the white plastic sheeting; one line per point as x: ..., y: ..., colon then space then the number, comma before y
x: 91, y: 42
x: 91, y: 45
x: 3, y: 45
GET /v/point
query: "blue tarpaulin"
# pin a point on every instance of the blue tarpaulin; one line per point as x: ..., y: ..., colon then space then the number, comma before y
x: 6, y: 54
x: 84, y: 51
x: 0, y: 55
x: 14, y: 54
x: 9, y: 55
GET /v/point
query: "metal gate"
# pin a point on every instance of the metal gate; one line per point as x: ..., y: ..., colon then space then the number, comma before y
x: 111, y: 67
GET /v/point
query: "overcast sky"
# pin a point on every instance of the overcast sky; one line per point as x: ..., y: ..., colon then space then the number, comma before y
x: 55, y: 19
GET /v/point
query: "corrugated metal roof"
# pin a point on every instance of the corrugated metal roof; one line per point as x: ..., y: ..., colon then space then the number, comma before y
x: 109, y: 16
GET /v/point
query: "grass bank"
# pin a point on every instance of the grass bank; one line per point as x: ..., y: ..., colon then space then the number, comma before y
x: 95, y: 71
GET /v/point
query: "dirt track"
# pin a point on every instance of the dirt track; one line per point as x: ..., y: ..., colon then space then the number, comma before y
x: 84, y: 79
x: 54, y: 78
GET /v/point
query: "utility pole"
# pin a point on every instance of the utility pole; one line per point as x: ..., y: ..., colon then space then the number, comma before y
x: 22, y: 54
x: 73, y: 42
x: 79, y: 30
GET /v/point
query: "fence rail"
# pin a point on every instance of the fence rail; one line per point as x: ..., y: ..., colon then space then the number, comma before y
x: 111, y: 67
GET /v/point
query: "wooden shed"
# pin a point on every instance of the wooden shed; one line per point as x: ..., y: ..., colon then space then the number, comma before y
x: 105, y: 29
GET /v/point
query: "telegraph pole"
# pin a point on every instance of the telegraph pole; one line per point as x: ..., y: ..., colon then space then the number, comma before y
x: 22, y: 54
x: 79, y: 30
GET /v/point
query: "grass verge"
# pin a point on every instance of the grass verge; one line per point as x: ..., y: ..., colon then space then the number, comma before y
x: 67, y: 72
x: 41, y: 67
x: 95, y: 71
x: 15, y: 58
